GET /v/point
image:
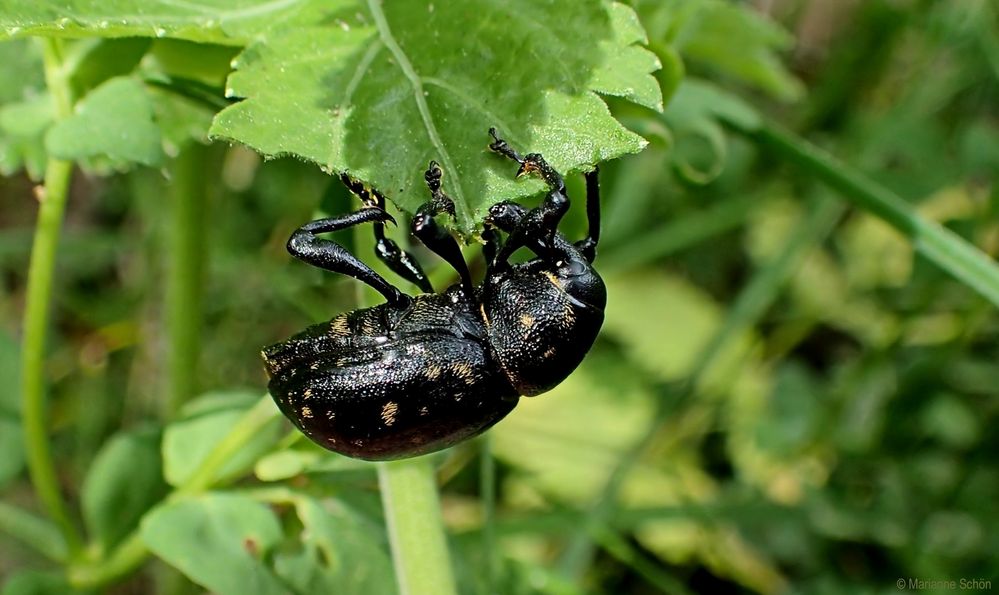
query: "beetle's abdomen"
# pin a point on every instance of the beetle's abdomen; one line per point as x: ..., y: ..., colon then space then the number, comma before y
x: 539, y: 331
x: 374, y: 398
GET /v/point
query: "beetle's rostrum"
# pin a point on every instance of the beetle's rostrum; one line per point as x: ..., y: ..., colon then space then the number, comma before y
x: 420, y: 373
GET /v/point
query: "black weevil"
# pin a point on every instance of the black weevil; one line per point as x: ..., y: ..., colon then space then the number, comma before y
x: 421, y: 373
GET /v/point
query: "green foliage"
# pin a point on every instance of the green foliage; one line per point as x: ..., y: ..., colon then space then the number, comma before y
x: 114, y: 121
x: 795, y: 383
x: 204, y: 534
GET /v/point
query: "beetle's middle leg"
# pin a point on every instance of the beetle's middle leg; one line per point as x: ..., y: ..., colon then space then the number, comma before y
x: 433, y: 235
x: 401, y: 262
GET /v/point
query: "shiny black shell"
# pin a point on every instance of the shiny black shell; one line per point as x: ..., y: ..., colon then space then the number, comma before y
x: 384, y: 383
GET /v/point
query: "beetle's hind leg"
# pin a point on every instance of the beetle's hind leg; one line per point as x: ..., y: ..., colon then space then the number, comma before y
x: 326, y: 254
x: 433, y: 235
x: 588, y: 245
x: 401, y: 262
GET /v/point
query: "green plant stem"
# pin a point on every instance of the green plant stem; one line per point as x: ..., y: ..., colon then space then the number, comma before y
x: 184, y: 273
x: 133, y: 552
x: 416, y: 530
x: 938, y: 244
x: 36, y: 313
x: 34, y: 531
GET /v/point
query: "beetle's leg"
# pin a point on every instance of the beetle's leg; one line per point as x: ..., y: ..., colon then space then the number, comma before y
x: 401, y: 262
x: 588, y: 245
x: 435, y: 237
x: 331, y: 256
x: 537, y: 228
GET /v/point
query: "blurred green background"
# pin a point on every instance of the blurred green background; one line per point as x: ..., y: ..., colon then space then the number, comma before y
x: 785, y: 397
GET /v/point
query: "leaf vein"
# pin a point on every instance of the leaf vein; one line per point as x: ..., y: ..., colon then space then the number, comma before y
x: 421, y: 105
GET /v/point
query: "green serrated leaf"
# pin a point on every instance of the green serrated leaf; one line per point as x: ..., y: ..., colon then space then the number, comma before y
x: 378, y: 90
x: 123, y: 482
x: 200, y: 20
x: 217, y: 540
x: 113, y: 121
x: 205, y: 421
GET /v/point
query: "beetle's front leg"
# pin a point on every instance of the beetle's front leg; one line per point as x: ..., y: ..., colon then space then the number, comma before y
x: 539, y: 225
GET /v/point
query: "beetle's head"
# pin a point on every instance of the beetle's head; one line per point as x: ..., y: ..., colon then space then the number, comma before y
x: 505, y: 215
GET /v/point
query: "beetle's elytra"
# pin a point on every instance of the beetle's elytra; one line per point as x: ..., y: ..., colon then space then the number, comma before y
x: 420, y: 373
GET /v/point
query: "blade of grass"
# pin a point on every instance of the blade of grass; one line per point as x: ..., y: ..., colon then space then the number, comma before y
x: 758, y: 295
x: 487, y: 491
x: 939, y: 245
x: 37, y: 308
x: 680, y: 233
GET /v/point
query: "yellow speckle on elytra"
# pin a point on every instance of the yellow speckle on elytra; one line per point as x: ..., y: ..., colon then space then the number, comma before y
x: 388, y: 412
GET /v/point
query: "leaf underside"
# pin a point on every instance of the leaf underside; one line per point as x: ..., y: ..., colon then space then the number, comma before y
x: 378, y: 90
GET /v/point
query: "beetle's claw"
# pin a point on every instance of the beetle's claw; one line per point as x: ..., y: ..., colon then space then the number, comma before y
x: 383, y: 215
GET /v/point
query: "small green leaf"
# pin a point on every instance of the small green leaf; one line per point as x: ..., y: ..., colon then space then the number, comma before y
x: 123, y: 482
x: 115, y: 121
x: 305, y: 457
x: 341, y: 552
x: 218, y: 541
x: 362, y: 89
x: 203, y: 424
x: 25, y: 109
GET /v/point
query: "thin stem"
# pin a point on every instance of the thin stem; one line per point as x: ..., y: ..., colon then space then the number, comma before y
x: 416, y: 530
x: 36, y: 313
x: 184, y: 274
x: 939, y: 245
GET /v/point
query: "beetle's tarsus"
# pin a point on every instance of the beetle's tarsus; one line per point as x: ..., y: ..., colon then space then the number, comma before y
x: 503, y: 148
x: 398, y: 260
